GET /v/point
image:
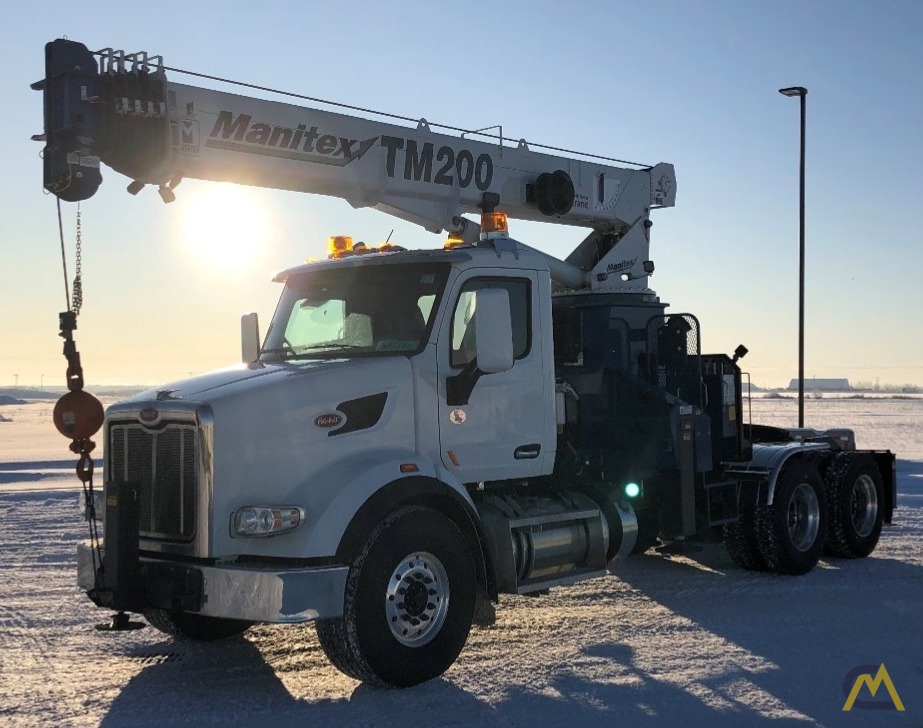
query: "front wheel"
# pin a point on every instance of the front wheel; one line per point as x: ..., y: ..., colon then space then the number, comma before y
x: 409, y: 602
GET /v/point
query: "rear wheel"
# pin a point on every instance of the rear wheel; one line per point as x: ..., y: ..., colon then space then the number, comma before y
x: 196, y: 627
x: 741, y: 542
x: 855, y: 495
x: 791, y: 532
x: 409, y: 602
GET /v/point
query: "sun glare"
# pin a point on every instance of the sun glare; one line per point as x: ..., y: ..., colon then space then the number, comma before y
x: 225, y: 226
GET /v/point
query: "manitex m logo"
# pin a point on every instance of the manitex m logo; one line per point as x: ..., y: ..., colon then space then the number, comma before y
x: 860, y: 677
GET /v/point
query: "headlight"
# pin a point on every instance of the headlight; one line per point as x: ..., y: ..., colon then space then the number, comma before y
x: 266, y: 520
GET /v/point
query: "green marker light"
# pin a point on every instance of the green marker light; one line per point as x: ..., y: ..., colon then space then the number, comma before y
x: 632, y: 490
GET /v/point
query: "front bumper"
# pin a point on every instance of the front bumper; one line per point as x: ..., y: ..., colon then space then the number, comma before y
x: 233, y: 592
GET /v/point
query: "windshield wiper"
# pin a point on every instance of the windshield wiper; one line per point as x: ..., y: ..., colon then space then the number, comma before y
x: 289, y: 353
x: 314, y: 347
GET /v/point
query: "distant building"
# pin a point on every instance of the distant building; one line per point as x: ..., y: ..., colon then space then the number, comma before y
x: 822, y: 385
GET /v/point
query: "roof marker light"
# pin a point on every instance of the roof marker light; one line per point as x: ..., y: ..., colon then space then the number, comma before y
x: 453, y: 241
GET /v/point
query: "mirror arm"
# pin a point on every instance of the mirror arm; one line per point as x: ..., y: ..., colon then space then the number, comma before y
x: 460, y: 386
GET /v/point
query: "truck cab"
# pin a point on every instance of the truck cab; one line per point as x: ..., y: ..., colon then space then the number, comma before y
x: 374, y: 382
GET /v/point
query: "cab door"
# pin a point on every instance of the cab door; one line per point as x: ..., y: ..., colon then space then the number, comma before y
x: 503, y: 430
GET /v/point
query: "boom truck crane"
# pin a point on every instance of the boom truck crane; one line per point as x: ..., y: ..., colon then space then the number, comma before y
x: 423, y: 430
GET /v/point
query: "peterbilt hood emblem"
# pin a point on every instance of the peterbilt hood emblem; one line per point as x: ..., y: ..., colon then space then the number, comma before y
x: 328, y: 420
x: 149, y: 415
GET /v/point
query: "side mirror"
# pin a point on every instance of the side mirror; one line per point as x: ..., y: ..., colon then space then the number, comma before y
x: 249, y: 338
x: 493, y: 331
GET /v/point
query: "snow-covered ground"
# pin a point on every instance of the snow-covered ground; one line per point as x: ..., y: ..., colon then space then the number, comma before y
x: 665, y: 641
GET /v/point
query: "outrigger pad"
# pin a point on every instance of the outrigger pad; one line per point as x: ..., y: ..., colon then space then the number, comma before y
x: 119, y: 623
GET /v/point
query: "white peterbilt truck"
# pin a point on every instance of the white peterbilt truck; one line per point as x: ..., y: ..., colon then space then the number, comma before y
x: 423, y: 430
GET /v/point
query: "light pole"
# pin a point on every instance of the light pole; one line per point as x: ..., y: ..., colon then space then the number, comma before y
x: 802, y: 93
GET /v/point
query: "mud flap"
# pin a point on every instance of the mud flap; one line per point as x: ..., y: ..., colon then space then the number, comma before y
x: 885, y: 460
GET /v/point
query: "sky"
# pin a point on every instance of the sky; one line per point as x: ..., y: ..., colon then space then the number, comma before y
x: 691, y: 83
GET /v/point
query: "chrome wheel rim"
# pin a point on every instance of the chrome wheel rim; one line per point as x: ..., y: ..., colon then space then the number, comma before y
x: 803, y: 517
x: 863, y: 505
x: 417, y: 599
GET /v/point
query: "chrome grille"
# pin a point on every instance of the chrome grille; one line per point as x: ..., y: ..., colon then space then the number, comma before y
x: 163, y: 463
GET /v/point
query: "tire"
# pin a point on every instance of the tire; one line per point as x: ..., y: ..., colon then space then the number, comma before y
x: 331, y: 633
x: 855, y: 497
x: 791, y: 532
x: 195, y: 627
x: 741, y: 542
x: 409, y: 602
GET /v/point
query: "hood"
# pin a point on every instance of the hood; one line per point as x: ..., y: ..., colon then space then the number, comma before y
x: 280, y: 433
x: 215, y: 384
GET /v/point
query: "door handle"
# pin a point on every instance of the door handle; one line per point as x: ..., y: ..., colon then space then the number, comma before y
x: 527, y: 452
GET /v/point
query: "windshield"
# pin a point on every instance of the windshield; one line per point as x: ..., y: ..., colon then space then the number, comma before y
x: 368, y: 310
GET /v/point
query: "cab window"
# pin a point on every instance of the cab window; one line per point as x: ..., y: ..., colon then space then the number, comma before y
x: 463, y: 318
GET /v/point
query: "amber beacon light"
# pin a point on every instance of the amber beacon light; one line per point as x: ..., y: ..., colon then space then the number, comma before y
x: 339, y: 245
